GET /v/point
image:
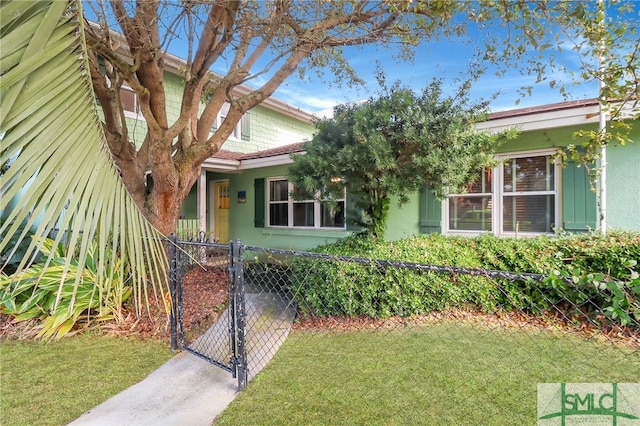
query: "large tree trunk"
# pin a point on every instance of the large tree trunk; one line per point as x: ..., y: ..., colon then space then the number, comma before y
x: 162, y: 204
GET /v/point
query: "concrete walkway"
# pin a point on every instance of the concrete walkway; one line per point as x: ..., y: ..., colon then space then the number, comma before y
x: 186, y: 390
x: 190, y: 391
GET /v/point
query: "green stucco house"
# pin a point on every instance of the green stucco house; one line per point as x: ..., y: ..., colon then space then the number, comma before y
x: 243, y: 192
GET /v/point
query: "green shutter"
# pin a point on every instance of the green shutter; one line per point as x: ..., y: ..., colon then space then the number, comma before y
x: 430, y: 212
x: 245, y: 126
x: 579, y: 208
x: 102, y: 65
x: 260, y: 203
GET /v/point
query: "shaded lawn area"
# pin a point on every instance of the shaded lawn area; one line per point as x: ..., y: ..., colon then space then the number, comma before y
x: 441, y: 374
x: 54, y: 383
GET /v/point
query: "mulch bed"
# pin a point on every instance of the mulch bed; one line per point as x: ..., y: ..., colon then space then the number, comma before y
x: 505, y: 320
x: 205, y: 295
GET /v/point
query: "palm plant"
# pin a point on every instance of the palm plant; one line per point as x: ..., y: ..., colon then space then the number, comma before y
x: 57, y: 173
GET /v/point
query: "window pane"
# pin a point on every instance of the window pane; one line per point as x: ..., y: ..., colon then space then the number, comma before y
x: 470, y: 213
x: 482, y: 183
x: 528, y: 174
x: 332, y: 217
x: 303, y: 214
x: 278, y: 190
x: 278, y: 214
x: 298, y: 193
x: 528, y: 213
x: 128, y: 100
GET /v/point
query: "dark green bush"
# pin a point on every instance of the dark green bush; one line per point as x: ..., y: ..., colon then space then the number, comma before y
x: 588, y: 271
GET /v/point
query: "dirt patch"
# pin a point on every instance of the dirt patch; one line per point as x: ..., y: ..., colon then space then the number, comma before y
x: 204, y: 296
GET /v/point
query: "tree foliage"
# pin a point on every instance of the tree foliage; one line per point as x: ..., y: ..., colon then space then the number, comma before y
x: 265, y: 42
x: 393, y: 145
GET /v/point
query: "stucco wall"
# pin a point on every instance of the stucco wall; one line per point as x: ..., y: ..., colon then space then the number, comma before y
x: 403, y: 221
x: 623, y: 185
x: 544, y: 139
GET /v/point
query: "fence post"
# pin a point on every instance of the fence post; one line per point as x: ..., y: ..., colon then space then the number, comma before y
x: 179, y: 301
x: 172, y: 292
x: 238, y: 314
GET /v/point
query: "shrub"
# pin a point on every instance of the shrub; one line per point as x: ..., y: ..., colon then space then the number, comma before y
x: 49, y: 292
x: 593, y: 272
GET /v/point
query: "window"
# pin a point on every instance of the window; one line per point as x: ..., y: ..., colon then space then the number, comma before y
x: 242, y: 129
x: 128, y: 97
x: 473, y: 210
x: 519, y: 196
x: 528, y: 195
x: 284, y: 211
x: 130, y: 103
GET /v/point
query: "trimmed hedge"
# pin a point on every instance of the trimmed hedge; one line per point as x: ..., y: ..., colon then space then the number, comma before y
x: 601, y: 275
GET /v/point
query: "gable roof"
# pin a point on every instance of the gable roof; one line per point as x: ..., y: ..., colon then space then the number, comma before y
x: 281, y: 150
x: 224, y: 160
x: 239, y: 156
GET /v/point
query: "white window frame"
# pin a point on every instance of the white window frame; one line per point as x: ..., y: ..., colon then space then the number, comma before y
x: 136, y: 114
x: 491, y: 195
x: 317, y: 208
x: 498, y: 195
x: 222, y: 115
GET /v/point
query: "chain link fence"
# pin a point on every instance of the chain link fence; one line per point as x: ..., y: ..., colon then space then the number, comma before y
x: 334, y: 293
x: 489, y: 332
x: 480, y: 339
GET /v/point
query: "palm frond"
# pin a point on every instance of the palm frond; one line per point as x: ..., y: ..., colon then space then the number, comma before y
x: 58, y: 177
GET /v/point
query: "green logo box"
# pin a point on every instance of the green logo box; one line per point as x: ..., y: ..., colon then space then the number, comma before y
x: 593, y: 404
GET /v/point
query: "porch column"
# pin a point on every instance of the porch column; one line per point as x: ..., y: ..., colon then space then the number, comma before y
x: 202, y: 200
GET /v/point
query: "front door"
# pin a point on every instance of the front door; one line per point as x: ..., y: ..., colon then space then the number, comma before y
x: 221, y: 203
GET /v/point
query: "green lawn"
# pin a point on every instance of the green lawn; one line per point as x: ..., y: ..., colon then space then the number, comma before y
x: 443, y: 374
x: 54, y: 383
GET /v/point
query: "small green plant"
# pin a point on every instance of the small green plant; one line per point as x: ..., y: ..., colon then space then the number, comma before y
x: 49, y: 292
x: 620, y: 298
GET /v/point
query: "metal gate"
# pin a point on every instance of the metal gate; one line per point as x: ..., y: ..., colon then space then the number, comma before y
x: 223, y: 342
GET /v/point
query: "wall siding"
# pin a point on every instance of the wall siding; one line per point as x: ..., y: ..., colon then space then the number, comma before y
x: 270, y: 129
x: 623, y: 184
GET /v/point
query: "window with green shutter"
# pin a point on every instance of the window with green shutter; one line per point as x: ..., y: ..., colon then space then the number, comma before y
x: 520, y: 196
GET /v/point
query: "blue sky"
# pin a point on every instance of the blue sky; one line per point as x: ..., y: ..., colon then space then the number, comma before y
x: 447, y: 59
x: 444, y: 59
